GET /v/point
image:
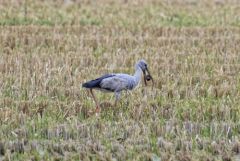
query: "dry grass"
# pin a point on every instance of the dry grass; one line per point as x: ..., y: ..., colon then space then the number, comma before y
x: 191, y: 114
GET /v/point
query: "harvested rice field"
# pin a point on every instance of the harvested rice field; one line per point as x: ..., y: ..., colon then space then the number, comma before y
x: 49, y: 48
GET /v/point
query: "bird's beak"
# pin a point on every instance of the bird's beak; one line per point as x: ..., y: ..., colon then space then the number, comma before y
x: 147, y: 77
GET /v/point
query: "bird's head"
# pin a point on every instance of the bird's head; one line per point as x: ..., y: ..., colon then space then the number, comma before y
x: 144, y: 67
x: 142, y: 64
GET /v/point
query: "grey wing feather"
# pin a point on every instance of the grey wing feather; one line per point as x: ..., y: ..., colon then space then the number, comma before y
x: 114, y: 84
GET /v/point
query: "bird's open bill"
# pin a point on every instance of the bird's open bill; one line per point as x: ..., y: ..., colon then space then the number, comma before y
x: 148, y: 77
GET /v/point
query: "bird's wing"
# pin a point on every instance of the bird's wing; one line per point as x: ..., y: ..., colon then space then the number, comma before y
x: 96, y: 82
x: 114, y: 83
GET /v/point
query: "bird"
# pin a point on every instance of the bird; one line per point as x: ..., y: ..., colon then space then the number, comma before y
x: 118, y: 82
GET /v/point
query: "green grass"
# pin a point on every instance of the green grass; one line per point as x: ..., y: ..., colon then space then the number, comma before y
x: 118, y: 14
x: 22, y: 21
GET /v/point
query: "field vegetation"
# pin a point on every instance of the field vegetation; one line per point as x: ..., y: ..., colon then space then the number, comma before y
x: 49, y: 48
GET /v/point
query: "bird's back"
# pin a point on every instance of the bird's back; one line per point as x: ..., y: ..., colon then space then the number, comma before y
x: 112, y: 82
x: 119, y: 82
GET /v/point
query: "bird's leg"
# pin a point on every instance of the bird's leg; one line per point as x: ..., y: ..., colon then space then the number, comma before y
x: 128, y: 96
x: 117, y: 97
x: 95, y: 100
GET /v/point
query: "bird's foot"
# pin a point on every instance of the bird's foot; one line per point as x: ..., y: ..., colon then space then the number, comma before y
x: 98, y: 110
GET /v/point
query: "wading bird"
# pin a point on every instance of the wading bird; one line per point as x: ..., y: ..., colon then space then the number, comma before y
x: 119, y: 82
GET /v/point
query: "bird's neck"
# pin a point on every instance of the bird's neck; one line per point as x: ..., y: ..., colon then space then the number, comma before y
x: 138, y: 74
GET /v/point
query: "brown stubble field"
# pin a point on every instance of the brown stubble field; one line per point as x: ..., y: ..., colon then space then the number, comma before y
x: 49, y: 48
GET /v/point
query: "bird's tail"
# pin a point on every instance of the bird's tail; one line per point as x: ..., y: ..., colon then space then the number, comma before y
x: 87, y: 85
x: 92, y: 84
